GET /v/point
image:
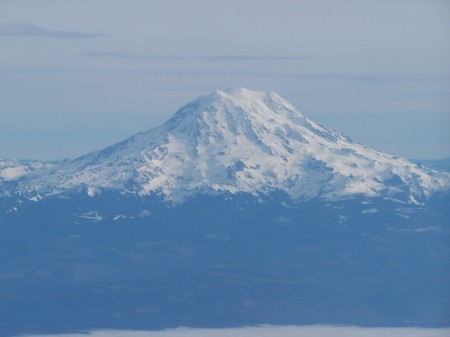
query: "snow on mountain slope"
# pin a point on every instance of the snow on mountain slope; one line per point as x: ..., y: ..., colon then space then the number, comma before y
x: 11, y: 170
x: 239, y: 140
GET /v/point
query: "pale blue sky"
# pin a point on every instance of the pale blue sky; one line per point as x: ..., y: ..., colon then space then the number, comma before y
x: 78, y: 75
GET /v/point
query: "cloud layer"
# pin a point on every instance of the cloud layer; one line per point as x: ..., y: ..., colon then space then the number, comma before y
x: 16, y: 29
x: 269, y: 331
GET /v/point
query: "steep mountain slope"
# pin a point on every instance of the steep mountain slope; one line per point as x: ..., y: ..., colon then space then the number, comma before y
x: 11, y: 170
x: 239, y: 140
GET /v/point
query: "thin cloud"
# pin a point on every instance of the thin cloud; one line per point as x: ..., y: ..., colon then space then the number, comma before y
x: 136, y: 56
x: 269, y: 331
x: 127, y: 55
x: 16, y: 29
x: 257, y: 58
x: 366, y: 78
x: 371, y: 77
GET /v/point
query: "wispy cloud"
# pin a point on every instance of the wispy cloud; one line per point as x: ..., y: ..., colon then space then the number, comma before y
x: 365, y: 78
x: 16, y: 29
x: 371, y: 77
x: 137, y: 56
x: 257, y: 58
x: 269, y: 331
x: 128, y: 55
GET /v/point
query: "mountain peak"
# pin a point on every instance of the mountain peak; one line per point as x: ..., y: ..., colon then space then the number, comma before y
x: 239, y: 140
x: 235, y: 93
x: 235, y: 109
x: 245, y: 98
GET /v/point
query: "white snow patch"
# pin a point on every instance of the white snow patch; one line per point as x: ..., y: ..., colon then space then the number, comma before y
x: 93, y: 191
x: 144, y: 213
x: 428, y: 229
x: 13, y: 173
x: 342, y: 219
x: 91, y: 215
x: 370, y: 211
x: 35, y: 198
x: 283, y: 219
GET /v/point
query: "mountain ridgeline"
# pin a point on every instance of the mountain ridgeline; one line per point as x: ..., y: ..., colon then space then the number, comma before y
x: 239, y: 210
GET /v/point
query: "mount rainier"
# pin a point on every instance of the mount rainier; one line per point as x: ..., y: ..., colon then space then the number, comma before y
x: 235, y: 140
x: 238, y: 211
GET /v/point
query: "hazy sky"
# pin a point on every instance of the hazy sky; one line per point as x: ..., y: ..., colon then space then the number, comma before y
x: 78, y: 75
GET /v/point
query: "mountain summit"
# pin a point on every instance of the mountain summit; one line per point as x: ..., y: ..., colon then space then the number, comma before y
x: 238, y: 140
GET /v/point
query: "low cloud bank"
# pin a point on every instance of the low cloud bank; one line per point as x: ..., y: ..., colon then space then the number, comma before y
x: 269, y: 331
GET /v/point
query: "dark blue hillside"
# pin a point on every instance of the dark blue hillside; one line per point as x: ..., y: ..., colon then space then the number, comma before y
x: 66, y: 265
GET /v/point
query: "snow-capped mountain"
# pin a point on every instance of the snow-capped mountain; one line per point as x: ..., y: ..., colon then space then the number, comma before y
x: 238, y: 140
